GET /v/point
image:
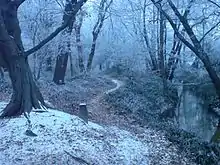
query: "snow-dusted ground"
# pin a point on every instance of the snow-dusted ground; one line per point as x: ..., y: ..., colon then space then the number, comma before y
x: 64, y: 139
x: 59, y: 134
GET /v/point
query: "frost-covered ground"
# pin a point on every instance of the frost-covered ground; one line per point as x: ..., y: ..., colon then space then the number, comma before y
x: 140, y: 101
x: 61, y: 135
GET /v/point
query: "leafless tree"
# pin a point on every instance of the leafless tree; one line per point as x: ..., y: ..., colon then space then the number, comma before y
x: 26, y: 94
x: 195, y: 44
x: 103, y: 9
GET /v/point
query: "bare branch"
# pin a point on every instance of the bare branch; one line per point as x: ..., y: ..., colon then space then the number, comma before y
x: 201, y: 21
x: 212, y: 28
x: 57, y: 31
x: 186, y: 26
x: 214, y: 3
x: 175, y: 28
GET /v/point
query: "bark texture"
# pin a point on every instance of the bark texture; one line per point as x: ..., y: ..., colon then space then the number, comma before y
x: 195, y: 45
x: 25, y: 91
x: 13, y: 58
x: 154, y: 65
x: 103, y: 9
x: 65, y: 50
x: 78, y: 26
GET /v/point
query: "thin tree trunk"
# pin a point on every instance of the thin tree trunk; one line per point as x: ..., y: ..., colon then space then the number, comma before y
x: 80, y: 51
x: 151, y: 53
x: 173, y: 59
x: 78, y: 26
x: 49, y: 63
x: 161, y: 53
x: 196, y: 46
x: 175, y: 63
x: 91, y: 55
x: 165, y: 43
x: 35, y: 66
x: 2, y: 73
x: 104, y: 6
x: 60, y: 69
x: 161, y: 46
x: 71, y: 65
x: 40, y: 69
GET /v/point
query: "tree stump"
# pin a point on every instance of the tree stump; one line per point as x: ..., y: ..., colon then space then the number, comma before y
x: 83, y: 112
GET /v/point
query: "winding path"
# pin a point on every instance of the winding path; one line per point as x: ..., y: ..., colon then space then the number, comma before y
x: 118, y: 85
x: 97, y: 106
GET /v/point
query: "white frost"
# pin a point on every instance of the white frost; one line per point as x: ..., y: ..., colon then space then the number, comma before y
x: 59, y: 132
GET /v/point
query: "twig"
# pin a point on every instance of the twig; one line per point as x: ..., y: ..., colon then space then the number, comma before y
x: 214, y: 3
x: 212, y: 28
x: 77, y: 158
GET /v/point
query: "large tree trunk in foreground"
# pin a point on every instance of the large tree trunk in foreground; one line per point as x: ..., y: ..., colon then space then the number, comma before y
x: 25, y: 91
x: 26, y: 94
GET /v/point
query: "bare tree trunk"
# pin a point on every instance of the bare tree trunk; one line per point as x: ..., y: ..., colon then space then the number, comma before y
x: 165, y: 43
x: 196, y: 46
x: 161, y: 52
x: 161, y: 46
x: 175, y: 61
x: 25, y: 92
x: 60, y: 68
x: 2, y: 73
x: 103, y: 8
x: 65, y: 51
x: 151, y: 53
x: 154, y: 36
x: 174, y: 58
x: 71, y: 65
x: 78, y: 26
x: 49, y: 63
x: 40, y: 69
x: 91, y: 55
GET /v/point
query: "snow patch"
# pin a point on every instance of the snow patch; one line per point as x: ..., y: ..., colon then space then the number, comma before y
x: 59, y: 133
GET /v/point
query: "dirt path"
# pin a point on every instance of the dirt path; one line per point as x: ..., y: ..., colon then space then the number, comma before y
x: 97, y: 107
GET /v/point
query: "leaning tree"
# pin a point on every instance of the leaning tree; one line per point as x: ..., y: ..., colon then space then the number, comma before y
x: 195, y: 45
x: 26, y: 95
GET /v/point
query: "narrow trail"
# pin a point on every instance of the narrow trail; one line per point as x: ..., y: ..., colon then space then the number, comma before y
x: 160, y: 149
x: 118, y: 85
x: 97, y: 107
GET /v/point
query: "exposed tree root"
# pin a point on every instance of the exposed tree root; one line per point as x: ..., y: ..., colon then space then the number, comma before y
x: 80, y: 160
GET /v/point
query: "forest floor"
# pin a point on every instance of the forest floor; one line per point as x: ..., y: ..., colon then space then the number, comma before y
x: 93, y: 90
